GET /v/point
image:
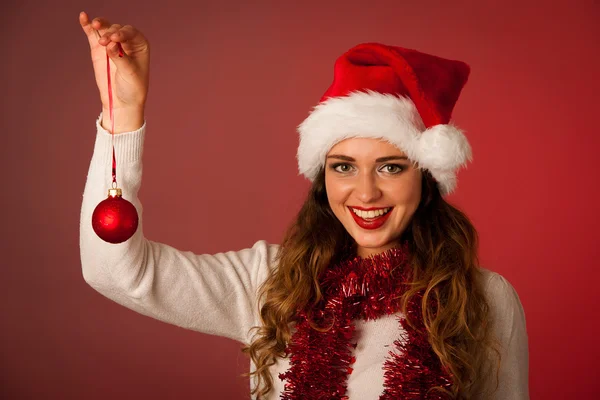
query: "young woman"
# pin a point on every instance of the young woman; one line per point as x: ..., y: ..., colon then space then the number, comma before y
x: 376, y: 290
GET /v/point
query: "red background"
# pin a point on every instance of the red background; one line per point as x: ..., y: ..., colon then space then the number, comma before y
x: 229, y: 83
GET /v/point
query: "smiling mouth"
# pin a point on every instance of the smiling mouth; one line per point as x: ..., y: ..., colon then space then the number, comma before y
x: 371, y: 214
x: 371, y: 219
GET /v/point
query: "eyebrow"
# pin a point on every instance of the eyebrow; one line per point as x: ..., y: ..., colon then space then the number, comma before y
x: 380, y: 159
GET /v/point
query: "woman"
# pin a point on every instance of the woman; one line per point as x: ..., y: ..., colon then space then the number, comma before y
x: 376, y: 291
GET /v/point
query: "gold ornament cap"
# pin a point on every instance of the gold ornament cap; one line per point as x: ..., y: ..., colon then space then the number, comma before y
x: 114, y: 192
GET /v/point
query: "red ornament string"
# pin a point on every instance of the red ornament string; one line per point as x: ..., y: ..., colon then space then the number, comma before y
x: 112, y: 120
x: 362, y: 288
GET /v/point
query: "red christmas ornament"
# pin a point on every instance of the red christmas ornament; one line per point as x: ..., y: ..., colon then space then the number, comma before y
x: 115, y: 219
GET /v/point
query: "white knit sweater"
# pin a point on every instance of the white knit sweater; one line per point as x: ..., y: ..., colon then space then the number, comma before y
x: 216, y: 293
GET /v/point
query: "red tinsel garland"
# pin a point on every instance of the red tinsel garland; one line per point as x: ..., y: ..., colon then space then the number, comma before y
x: 368, y: 289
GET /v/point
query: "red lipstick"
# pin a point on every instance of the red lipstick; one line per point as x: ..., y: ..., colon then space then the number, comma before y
x: 370, y: 223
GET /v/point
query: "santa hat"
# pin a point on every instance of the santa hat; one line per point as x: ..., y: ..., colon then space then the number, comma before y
x: 399, y: 95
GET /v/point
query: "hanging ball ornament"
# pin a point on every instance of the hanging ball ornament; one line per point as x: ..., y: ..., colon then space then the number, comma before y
x: 115, y: 219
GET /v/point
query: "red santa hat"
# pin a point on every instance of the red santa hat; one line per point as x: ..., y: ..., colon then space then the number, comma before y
x: 395, y: 94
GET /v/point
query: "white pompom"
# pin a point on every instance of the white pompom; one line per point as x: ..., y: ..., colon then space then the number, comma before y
x: 443, y: 147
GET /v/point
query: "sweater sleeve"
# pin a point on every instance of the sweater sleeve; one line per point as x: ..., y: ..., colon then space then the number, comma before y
x: 509, y: 326
x: 213, y: 294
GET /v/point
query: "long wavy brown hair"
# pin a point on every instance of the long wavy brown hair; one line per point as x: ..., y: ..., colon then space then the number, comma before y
x: 443, y: 247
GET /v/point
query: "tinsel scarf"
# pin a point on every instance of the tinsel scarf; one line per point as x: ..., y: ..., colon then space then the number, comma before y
x: 365, y: 288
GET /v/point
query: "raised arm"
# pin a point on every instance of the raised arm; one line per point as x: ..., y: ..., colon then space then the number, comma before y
x: 213, y: 294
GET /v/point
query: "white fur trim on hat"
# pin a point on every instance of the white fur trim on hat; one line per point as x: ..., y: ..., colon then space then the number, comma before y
x: 441, y: 149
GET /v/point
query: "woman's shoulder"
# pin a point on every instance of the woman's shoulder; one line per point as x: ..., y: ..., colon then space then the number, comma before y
x: 258, y: 260
x: 260, y: 252
x: 264, y: 246
x: 507, y: 318
x: 502, y: 297
x: 494, y: 284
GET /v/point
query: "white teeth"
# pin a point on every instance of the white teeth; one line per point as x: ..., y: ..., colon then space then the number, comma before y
x: 370, y: 214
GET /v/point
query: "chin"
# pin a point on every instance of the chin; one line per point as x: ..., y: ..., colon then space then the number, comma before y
x: 363, y: 241
x: 375, y: 238
x: 376, y: 241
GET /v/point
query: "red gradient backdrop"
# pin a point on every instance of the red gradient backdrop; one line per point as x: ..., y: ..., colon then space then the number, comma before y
x: 229, y: 83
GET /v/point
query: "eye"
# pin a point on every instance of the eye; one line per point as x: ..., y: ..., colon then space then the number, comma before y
x: 341, y: 167
x: 392, y: 168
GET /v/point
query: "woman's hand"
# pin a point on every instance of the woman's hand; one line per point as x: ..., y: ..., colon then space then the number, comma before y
x: 129, y: 74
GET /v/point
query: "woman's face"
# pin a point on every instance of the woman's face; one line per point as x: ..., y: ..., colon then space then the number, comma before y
x: 373, y: 189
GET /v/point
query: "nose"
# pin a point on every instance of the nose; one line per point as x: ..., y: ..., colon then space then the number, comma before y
x: 367, y: 188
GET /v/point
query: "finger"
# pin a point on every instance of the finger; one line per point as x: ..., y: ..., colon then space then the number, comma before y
x: 105, y: 37
x: 123, y: 35
x: 88, y: 28
x: 100, y: 24
x: 128, y: 37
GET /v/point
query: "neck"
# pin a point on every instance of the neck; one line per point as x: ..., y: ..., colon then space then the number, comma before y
x: 364, y: 252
